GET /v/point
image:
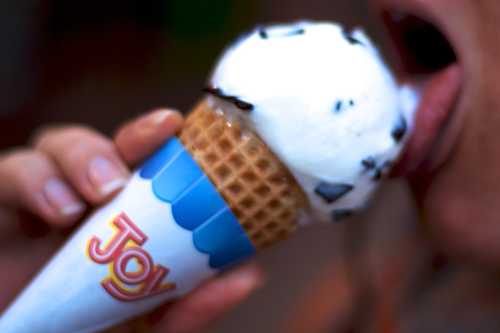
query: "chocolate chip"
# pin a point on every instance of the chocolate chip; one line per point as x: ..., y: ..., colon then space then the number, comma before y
x: 378, y: 174
x: 351, y: 39
x: 399, y: 132
x: 332, y: 192
x: 369, y: 163
x: 339, y: 215
x: 263, y: 33
x: 338, y: 106
x: 297, y: 32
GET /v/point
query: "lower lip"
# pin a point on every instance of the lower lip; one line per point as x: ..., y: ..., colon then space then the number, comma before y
x: 435, y: 111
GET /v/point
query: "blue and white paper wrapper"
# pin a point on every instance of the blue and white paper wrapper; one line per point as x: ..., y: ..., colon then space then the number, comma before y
x: 160, y: 238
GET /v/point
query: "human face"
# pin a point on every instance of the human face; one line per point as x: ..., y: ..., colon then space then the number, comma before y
x: 453, y: 157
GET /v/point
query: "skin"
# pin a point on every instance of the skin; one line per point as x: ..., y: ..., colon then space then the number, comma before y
x: 455, y: 172
x: 457, y: 189
x: 34, y: 222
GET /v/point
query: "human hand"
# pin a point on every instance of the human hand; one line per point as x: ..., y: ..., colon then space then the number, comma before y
x: 47, y: 188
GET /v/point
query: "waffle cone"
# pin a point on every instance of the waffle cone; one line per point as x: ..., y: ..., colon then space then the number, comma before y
x: 260, y: 190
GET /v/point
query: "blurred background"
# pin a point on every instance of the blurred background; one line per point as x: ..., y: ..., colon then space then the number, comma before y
x: 100, y: 63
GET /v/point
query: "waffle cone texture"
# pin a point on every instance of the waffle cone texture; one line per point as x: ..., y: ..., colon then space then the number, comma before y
x: 259, y: 189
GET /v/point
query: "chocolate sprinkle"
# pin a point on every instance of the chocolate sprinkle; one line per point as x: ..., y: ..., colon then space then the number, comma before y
x: 369, y: 163
x: 341, y: 214
x: 354, y: 41
x: 240, y: 104
x: 332, y: 192
x: 399, y: 132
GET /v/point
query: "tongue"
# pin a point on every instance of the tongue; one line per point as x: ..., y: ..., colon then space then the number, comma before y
x: 438, y: 97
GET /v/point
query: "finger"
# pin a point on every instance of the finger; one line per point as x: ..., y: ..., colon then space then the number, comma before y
x: 208, y: 302
x: 31, y: 181
x: 140, y: 138
x: 88, y: 160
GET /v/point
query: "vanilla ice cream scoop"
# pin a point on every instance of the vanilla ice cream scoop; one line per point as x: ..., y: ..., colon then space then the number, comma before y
x: 325, y: 103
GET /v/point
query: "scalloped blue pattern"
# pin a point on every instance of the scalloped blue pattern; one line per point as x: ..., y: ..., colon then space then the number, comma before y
x: 196, y: 205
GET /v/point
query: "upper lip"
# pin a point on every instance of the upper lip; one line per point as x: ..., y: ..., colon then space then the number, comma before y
x: 440, y: 89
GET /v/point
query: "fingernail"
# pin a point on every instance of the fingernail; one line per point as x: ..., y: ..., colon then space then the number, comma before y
x: 248, y: 278
x: 106, y: 176
x: 155, y: 119
x: 60, y: 196
x: 158, y: 117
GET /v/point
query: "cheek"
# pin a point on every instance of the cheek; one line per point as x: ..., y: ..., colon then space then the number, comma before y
x: 462, y: 203
x: 459, y: 225
x: 449, y: 215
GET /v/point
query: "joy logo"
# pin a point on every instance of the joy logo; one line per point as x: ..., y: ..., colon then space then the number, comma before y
x: 124, y: 248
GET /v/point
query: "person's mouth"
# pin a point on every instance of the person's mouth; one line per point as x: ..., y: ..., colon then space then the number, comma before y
x: 425, y: 57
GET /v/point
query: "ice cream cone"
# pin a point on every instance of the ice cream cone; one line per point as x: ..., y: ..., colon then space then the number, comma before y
x: 257, y: 186
x: 259, y: 189
x: 273, y: 141
x: 147, y: 246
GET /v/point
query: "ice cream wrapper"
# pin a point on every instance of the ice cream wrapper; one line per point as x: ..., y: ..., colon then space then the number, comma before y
x: 166, y: 232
